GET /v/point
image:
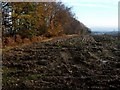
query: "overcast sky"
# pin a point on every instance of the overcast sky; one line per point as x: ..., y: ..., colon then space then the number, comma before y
x: 95, y: 13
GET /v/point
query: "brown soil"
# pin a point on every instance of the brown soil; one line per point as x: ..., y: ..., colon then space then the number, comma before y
x: 74, y: 63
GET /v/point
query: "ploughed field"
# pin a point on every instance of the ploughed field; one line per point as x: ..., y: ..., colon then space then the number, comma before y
x: 79, y: 62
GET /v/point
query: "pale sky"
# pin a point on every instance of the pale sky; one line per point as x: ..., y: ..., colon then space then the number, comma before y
x: 95, y: 13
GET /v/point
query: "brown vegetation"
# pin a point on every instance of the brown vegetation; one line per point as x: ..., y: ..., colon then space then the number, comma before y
x: 9, y: 41
x: 26, y: 41
x: 18, y: 39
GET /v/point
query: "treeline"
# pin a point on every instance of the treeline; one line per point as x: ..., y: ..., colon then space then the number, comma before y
x: 29, y: 19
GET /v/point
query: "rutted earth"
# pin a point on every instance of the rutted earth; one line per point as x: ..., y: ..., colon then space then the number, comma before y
x: 79, y: 62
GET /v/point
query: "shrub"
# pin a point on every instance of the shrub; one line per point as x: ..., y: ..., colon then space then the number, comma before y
x: 34, y: 39
x: 9, y: 41
x: 26, y: 41
x: 18, y: 39
x: 27, y: 33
